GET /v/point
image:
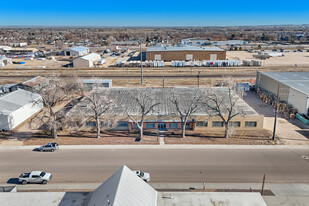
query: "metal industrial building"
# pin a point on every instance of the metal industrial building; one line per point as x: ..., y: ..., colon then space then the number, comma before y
x: 184, y: 53
x: 16, y: 107
x: 292, y: 87
x: 163, y: 116
x: 87, y: 61
x: 76, y: 51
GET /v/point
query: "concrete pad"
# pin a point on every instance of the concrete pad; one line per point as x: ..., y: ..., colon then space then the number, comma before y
x: 44, y: 198
x: 286, y: 201
x: 210, y: 198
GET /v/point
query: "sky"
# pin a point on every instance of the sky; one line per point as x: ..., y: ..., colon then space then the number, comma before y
x: 163, y: 13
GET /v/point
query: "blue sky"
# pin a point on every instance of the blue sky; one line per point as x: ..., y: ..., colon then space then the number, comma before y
x: 152, y: 13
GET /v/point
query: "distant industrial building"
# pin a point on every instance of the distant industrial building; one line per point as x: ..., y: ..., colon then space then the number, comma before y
x: 76, y: 51
x: 293, y: 87
x: 163, y: 117
x: 184, y: 53
x: 19, y: 44
x: 124, y: 43
x: 10, y: 52
x: 101, y: 82
x: 88, y: 61
x: 204, y: 42
x: 229, y: 43
x: 195, y: 42
x: 5, y: 61
x: 16, y: 107
x: 125, y: 188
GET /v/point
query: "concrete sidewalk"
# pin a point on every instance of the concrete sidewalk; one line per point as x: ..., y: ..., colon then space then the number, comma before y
x: 174, y: 146
x: 285, y: 194
x: 296, y: 189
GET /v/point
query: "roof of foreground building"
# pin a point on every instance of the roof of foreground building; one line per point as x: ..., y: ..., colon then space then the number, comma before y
x: 124, y: 188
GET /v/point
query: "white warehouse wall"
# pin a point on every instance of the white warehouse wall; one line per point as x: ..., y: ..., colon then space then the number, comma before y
x: 298, y: 100
x: 23, y: 113
x: 4, y: 122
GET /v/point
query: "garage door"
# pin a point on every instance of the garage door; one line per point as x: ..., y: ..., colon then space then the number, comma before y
x: 213, y: 56
x: 189, y: 57
x: 157, y: 57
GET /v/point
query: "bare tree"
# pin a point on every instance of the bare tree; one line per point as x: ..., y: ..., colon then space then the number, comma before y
x: 145, y: 104
x: 95, y: 104
x: 57, y: 91
x: 186, y: 106
x: 222, y: 103
x: 99, y: 104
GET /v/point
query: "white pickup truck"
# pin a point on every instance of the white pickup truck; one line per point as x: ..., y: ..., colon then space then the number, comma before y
x: 143, y: 175
x: 35, y: 177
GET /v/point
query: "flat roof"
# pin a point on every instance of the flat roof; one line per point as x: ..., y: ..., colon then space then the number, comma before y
x: 163, y: 48
x: 92, y: 56
x: 124, y: 99
x: 78, y: 48
x: 210, y: 198
x: 92, y: 81
x: 296, y: 80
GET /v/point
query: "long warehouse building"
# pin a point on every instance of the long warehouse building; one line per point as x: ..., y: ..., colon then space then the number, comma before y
x: 293, y: 87
x: 184, y: 53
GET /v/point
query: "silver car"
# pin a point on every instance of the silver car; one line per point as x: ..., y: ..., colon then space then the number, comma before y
x: 49, y: 147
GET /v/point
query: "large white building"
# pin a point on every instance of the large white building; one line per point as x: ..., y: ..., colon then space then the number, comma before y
x: 87, y: 61
x: 293, y: 87
x: 76, y: 51
x: 16, y: 107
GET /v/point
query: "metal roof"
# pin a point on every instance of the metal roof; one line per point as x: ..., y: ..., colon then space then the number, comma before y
x: 296, y: 80
x: 93, y: 81
x: 13, y: 101
x: 79, y: 48
x: 182, y: 48
x: 91, y: 57
x: 124, y: 188
x: 123, y: 97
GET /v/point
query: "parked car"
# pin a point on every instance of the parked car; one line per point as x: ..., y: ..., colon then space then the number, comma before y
x: 52, y: 146
x: 143, y: 175
x: 35, y: 177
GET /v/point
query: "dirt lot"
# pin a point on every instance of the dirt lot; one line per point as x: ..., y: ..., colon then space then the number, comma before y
x: 240, y: 138
x: 128, y: 138
x: 289, y: 58
x: 88, y: 138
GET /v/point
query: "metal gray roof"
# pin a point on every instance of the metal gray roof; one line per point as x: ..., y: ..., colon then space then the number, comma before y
x: 11, y: 102
x: 182, y: 48
x: 125, y: 103
x: 91, y: 57
x: 296, y: 80
x: 79, y: 48
x: 92, y: 81
x: 124, y: 188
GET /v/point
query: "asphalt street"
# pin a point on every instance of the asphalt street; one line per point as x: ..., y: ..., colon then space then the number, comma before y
x: 215, y: 165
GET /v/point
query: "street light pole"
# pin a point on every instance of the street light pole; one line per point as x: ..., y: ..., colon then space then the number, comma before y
x: 141, y: 63
x: 276, y: 113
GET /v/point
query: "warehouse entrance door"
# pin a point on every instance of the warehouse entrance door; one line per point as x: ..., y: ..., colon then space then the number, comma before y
x: 162, y: 126
x: 157, y: 57
x: 213, y: 56
x: 189, y: 57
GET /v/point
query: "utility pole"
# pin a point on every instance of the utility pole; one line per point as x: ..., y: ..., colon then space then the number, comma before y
x: 198, y: 79
x: 163, y: 82
x: 141, y: 63
x: 276, y: 113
